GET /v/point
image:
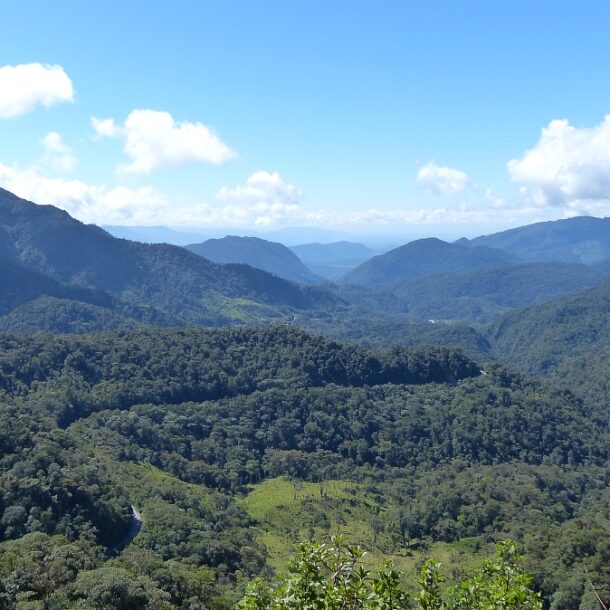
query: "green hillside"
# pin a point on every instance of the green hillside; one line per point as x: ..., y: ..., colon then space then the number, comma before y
x: 269, y: 256
x: 583, y: 239
x: 233, y: 445
x: 424, y: 258
x: 178, y: 284
x: 480, y: 296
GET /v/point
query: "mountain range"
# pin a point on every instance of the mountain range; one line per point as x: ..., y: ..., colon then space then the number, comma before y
x: 583, y: 239
x: 54, y: 255
x: 231, y: 445
x: 422, y: 258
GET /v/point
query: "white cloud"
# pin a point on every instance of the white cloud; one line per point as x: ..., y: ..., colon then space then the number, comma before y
x: 147, y: 206
x: 568, y: 164
x: 58, y: 156
x: 105, y: 128
x: 154, y: 140
x: 88, y: 203
x: 263, y: 187
x: 266, y: 196
x: 440, y: 180
x: 25, y: 87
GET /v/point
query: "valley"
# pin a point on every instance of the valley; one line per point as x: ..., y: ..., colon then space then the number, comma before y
x: 234, y: 414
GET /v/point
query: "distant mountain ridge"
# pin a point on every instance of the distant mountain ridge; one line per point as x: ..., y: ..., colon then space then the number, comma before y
x: 583, y: 239
x: 272, y: 257
x: 425, y: 258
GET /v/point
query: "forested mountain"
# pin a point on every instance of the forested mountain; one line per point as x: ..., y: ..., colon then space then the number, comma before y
x: 229, y: 446
x: 583, y: 239
x: 204, y: 430
x: 333, y: 260
x: 480, y: 296
x: 567, y: 337
x: 175, y: 283
x: 269, y: 256
x: 425, y: 258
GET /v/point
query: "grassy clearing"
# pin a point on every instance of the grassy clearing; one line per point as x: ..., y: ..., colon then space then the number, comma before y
x: 289, y: 512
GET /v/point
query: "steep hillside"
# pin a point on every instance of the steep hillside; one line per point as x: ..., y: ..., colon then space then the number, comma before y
x: 424, y: 258
x: 47, y: 241
x: 333, y: 260
x: 540, y: 337
x: 482, y: 295
x: 269, y: 256
x: 582, y: 239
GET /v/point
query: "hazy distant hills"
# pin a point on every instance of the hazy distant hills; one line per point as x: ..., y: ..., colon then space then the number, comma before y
x: 582, y: 239
x: 333, y: 261
x: 50, y: 253
x: 269, y: 256
x: 182, y: 236
x: 157, y: 235
x: 424, y: 258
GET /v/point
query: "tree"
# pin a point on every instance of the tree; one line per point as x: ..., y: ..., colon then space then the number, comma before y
x: 332, y: 577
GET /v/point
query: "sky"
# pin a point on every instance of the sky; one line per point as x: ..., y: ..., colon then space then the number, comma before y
x: 447, y: 117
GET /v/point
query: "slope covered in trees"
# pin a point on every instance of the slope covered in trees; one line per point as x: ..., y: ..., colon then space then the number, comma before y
x: 269, y: 256
x: 184, y: 424
x: 176, y: 283
x: 480, y: 296
x: 424, y: 258
x: 583, y: 239
x: 538, y: 339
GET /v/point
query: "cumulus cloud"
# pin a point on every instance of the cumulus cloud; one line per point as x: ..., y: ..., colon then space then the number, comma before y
x: 440, y: 180
x: 155, y: 140
x: 266, y: 195
x: 25, y: 87
x: 58, y: 156
x: 567, y: 165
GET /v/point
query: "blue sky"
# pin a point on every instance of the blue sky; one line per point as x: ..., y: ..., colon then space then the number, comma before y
x: 373, y: 117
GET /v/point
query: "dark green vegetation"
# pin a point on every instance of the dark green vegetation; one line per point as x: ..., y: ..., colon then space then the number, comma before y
x: 434, y: 280
x: 410, y: 451
x: 567, y: 339
x: 333, y: 260
x: 574, y: 240
x: 328, y: 577
x: 481, y: 296
x: 269, y: 256
x: 48, y: 253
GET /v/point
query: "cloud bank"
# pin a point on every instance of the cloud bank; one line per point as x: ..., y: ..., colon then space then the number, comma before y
x: 25, y: 87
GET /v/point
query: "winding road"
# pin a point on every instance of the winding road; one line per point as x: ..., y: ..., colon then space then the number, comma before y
x: 135, y: 525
